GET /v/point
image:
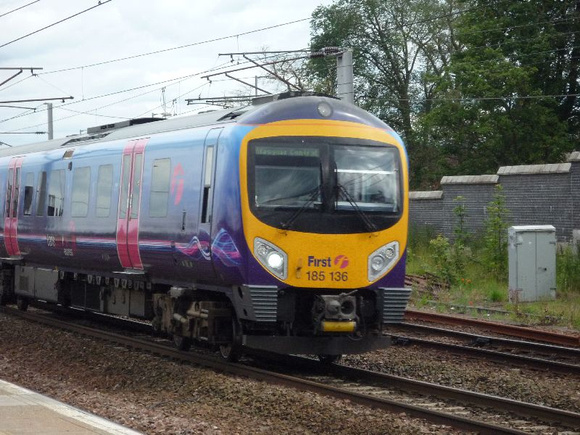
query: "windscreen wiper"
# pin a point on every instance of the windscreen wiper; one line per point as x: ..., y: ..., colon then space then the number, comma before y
x: 371, y: 227
x: 295, y: 195
x: 311, y: 199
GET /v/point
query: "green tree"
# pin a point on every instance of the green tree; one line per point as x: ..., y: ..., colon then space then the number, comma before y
x: 399, y: 48
x: 509, y: 96
x: 470, y: 84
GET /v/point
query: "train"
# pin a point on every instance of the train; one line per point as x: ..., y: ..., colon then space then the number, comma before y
x: 278, y: 226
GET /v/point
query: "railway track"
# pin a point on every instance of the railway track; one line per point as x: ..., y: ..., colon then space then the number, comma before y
x: 499, y: 328
x: 462, y: 405
x: 514, y: 352
x: 460, y: 409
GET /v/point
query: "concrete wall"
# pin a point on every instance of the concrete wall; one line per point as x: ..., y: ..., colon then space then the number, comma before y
x: 535, y: 195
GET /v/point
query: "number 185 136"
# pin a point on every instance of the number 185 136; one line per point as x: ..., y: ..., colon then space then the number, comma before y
x: 321, y: 275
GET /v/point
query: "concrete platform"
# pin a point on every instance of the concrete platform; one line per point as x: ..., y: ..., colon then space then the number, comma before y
x: 24, y: 412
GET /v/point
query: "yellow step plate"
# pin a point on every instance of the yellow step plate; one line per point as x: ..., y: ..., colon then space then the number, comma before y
x: 338, y: 326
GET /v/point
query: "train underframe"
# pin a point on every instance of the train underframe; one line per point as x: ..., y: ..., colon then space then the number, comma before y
x: 323, y: 322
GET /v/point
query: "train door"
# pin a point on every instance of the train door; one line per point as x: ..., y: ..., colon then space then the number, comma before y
x: 208, y: 179
x: 11, y: 207
x: 130, y: 204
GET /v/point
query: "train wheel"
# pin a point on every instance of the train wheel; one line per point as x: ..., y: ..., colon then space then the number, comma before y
x: 182, y: 343
x: 22, y: 303
x: 329, y: 359
x: 3, y: 297
x: 156, y: 325
x: 232, y: 351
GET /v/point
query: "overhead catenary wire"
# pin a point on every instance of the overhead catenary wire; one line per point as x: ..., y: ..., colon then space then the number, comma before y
x: 165, y: 50
x: 64, y: 105
x: 100, y: 3
x: 164, y: 83
x: 4, y: 88
x: 225, y: 65
x: 18, y: 8
x: 175, y: 48
x: 38, y: 109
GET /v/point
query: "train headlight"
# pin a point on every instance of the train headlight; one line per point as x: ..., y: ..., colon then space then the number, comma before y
x: 271, y: 257
x: 382, y: 260
x: 324, y: 109
x: 378, y: 263
x: 275, y: 260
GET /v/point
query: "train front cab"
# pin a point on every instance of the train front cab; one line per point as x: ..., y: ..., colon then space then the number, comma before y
x: 325, y: 214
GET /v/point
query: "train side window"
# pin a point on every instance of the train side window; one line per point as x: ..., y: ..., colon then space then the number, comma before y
x: 80, y: 192
x: 56, y: 193
x: 28, y: 193
x: 104, y: 190
x: 41, y: 194
x: 16, y: 194
x: 9, y: 181
x: 160, y: 182
x: 124, y: 193
x: 135, y: 198
x: 208, y: 176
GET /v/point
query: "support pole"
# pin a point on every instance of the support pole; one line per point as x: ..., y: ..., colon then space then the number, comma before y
x: 344, y: 76
x: 50, y: 122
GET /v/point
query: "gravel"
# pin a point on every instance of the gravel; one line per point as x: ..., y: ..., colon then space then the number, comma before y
x: 534, y: 386
x: 158, y: 396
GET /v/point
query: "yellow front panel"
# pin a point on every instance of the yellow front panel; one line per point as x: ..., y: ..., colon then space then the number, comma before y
x: 323, y: 260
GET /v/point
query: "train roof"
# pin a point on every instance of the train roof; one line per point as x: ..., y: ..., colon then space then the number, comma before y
x: 134, y: 130
x: 286, y: 106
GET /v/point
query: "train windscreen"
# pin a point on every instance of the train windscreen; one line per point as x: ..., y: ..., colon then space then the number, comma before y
x: 287, y: 177
x: 366, y: 178
x: 321, y: 183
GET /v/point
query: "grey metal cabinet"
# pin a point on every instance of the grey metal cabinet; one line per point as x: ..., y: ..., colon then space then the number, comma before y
x: 532, y: 263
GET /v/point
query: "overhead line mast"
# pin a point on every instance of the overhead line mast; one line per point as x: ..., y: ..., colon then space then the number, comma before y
x: 345, y: 81
x: 20, y: 70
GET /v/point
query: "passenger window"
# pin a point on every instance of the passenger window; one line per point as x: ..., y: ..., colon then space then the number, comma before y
x: 104, y: 190
x: 80, y: 192
x: 41, y: 195
x: 160, y: 181
x: 28, y: 193
x: 56, y: 193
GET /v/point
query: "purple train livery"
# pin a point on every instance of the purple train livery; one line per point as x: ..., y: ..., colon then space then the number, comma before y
x: 280, y: 226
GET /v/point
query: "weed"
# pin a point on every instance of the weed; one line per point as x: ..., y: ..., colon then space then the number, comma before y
x: 474, y: 285
x: 495, y: 257
x: 497, y: 296
x: 442, y: 259
x: 568, y: 270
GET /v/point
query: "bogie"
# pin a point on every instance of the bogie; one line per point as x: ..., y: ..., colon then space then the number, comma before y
x: 182, y: 343
x: 22, y: 303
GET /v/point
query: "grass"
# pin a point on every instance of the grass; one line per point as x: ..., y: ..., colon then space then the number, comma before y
x: 474, y: 289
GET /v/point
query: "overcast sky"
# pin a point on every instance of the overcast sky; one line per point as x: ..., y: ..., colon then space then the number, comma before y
x: 118, y: 29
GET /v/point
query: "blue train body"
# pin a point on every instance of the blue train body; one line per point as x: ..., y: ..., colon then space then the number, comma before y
x: 173, y: 221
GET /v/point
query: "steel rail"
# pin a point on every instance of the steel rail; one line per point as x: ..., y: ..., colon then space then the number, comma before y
x: 492, y: 355
x: 485, y: 340
x: 500, y: 328
x: 524, y: 409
